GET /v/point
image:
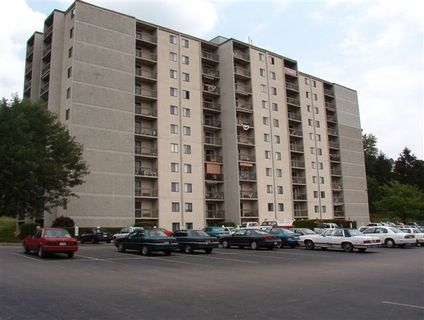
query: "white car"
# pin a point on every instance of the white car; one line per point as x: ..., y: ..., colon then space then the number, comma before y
x: 391, y: 236
x: 419, y: 235
x: 346, y: 239
x: 123, y: 233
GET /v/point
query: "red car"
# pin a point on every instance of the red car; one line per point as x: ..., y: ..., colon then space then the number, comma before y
x: 50, y: 240
x: 169, y: 233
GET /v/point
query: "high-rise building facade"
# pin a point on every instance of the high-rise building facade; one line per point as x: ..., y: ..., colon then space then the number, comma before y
x: 184, y: 132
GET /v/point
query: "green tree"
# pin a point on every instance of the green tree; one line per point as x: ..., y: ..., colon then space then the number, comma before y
x: 401, y: 201
x: 40, y: 162
x: 409, y: 170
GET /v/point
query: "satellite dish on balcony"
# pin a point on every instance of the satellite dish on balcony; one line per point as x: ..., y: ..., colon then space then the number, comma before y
x: 246, y: 126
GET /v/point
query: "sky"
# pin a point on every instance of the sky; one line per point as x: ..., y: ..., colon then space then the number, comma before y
x: 372, y: 46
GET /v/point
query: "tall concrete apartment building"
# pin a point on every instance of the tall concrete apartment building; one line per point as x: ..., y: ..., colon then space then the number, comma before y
x: 186, y: 132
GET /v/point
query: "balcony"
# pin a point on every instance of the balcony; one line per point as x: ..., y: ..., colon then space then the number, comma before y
x: 295, y: 132
x: 328, y: 92
x: 246, y: 176
x: 336, y: 172
x: 145, y: 110
x: 146, y: 172
x: 298, y: 164
x: 336, y: 187
x: 146, y: 74
x: 298, y: 180
x: 214, y: 195
x: 145, y: 37
x: 246, y: 140
x: 213, y: 140
x: 240, y: 56
x: 290, y: 72
x: 210, y: 88
x: 247, y: 157
x: 243, y: 89
x: 248, y: 213
x: 210, y: 72
x: 295, y: 147
x: 215, y: 214
x: 301, y: 213
x: 242, y: 72
x: 292, y: 86
x: 210, y: 56
x: 244, y: 107
x: 330, y: 105
x: 337, y: 200
x: 299, y: 196
x: 332, y: 132
x: 333, y: 144
x: 146, y: 192
x: 211, y: 106
x: 146, y: 214
x: 146, y: 92
x: 294, y: 116
x: 212, y: 123
x: 245, y: 123
x: 146, y: 55
x: 248, y: 194
x: 149, y: 152
x: 213, y: 159
x: 293, y: 101
x: 146, y: 131
x: 47, y: 50
x: 214, y: 177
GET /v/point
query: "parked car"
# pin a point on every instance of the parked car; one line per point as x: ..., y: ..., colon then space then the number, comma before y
x: 169, y: 233
x: 96, y: 235
x: 418, y: 233
x: 288, y: 237
x: 124, y: 232
x: 303, y: 231
x: 147, y: 241
x: 50, y: 240
x: 217, y: 232
x: 346, y: 239
x: 190, y: 240
x: 391, y: 236
x: 250, y: 224
x: 253, y: 238
x: 324, y: 226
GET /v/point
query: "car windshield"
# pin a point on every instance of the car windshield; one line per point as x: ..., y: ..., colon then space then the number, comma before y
x: 198, y: 233
x: 396, y: 230
x: 56, y: 233
x: 353, y: 233
x: 154, y: 233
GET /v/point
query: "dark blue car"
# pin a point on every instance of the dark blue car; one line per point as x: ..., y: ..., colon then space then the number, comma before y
x: 288, y: 237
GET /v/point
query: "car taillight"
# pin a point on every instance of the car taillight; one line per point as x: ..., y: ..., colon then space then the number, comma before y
x: 367, y: 241
x: 267, y: 238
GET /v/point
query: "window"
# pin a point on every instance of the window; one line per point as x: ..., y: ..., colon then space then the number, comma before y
x: 187, y: 131
x: 174, y: 167
x: 281, y: 207
x: 184, y: 43
x: 175, y: 207
x: 175, y: 226
x: 173, y: 110
x: 277, y: 155
x: 318, y: 137
x: 272, y: 74
x: 316, y: 209
x: 187, y: 149
x: 317, y: 124
x: 324, y: 209
x: 268, y: 172
x: 263, y: 88
x: 186, y: 94
x: 276, y: 122
x: 321, y: 165
x: 322, y: 194
x: 185, y: 60
x: 261, y: 56
x: 187, y: 168
x: 273, y: 91
x: 271, y: 60
x: 173, y: 39
x: 314, y: 165
x: 267, y: 154
x: 174, y: 147
x: 311, y: 136
x: 275, y: 106
x: 314, y: 83
x: 280, y: 189
x: 186, y: 77
x: 188, y: 207
x: 71, y: 33
x: 173, y: 74
x: 315, y: 194
x: 262, y: 72
x: 69, y: 72
x: 308, y: 95
x: 270, y: 206
x: 173, y: 92
x: 310, y: 122
x: 175, y: 187
x: 277, y: 139
x: 186, y: 112
x: 315, y: 97
x: 173, y: 128
x: 67, y: 114
x: 279, y: 173
x: 70, y: 52
x: 319, y: 151
x: 265, y: 121
x: 267, y: 137
x: 316, y: 110
x: 264, y: 104
x: 306, y: 81
x: 68, y: 93
x: 268, y: 188
x: 172, y: 56
x: 188, y: 188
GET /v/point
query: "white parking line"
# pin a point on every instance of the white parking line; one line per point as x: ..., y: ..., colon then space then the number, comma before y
x: 403, y: 304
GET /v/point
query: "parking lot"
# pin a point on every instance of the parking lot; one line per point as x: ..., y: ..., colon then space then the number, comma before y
x: 100, y: 283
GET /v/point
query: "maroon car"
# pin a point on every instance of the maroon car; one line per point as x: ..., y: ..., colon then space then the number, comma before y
x: 50, y: 240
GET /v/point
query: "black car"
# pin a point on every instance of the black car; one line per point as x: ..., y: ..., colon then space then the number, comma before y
x: 147, y: 241
x: 190, y: 240
x: 96, y: 235
x: 253, y: 238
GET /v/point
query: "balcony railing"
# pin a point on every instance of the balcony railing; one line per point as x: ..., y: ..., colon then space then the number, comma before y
x: 215, y: 214
x: 295, y: 132
x: 144, y: 54
x: 145, y: 110
x: 247, y: 176
x: 294, y: 116
x: 146, y: 92
x: 247, y: 157
x: 330, y: 105
x: 147, y: 172
x: 241, y: 55
x: 212, y: 123
x: 296, y: 147
x: 300, y: 213
x: 214, y: 195
x: 146, y: 151
x: 298, y: 164
x: 210, y: 88
x: 248, y: 194
x: 242, y: 71
x: 242, y: 88
x: 210, y: 55
x: 146, y: 131
x: 214, y: 177
x: 244, y: 107
x: 214, y: 159
x: 244, y: 122
x: 299, y: 196
x: 299, y: 180
x: 328, y: 92
x: 292, y: 86
x: 335, y: 157
x: 213, y: 140
x: 211, y: 105
x: 144, y: 36
x: 146, y: 192
x: 246, y: 140
x: 145, y: 73
x: 290, y: 72
x: 248, y: 213
x: 211, y: 72
x: 146, y: 214
x: 47, y: 49
x: 293, y: 101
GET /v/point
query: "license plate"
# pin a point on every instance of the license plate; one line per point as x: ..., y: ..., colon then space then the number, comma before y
x: 62, y: 243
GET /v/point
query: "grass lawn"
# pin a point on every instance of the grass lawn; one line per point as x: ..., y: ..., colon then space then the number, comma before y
x: 7, y: 230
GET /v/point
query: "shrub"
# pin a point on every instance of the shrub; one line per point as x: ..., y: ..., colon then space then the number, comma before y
x: 27, y: 229
x: 62, y: 221
x: 7, y: 230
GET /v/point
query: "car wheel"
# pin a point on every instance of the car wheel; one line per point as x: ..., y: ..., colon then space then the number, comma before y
x: 309, y: 245
x: 362, y: 249
x: 254, y: 245
x: 225, y: 244
x: 145, y: 251
x: 41, y: 252
x: 188, y: 249
x: 347, y: 247
x: 121, y: 247
x: 26, y: 249
x: 389, y: 243
x: 70, y: 254
x: 209, y: 250
x: 167, y: 253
